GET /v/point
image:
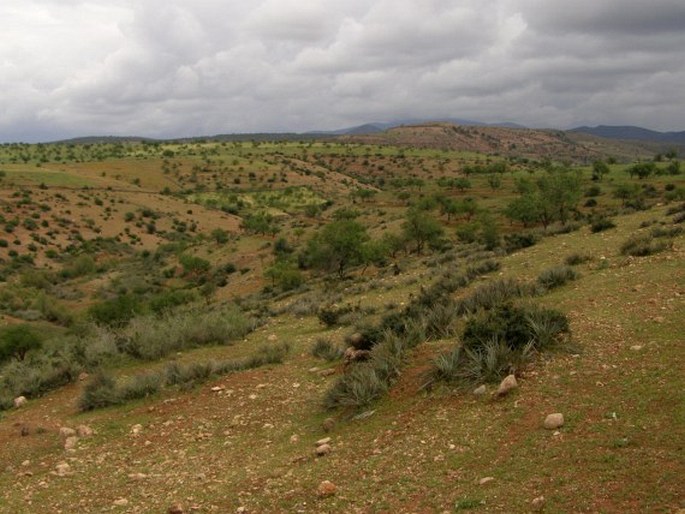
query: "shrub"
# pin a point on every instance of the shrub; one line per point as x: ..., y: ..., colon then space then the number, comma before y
x: 494, y: 293
x: 556, y: 277
x: 330, y: 315
x: 326, y: 350
x: 116, y: 312
x: 601, y: 224
x: 99, y: 392
x: 517, y: 241
x: 577, y: 258
x: 359, y: 387
x: 140, y: 386
x: 641, y: 245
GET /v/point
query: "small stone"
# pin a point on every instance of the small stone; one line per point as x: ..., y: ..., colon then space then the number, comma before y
x: 67, y: 432
x: 26, y: 463
x: 322, y: 450
x: 83, y: 376
x: 216, y: 389
x: 272, y: 337
x: 136, y: 429
x: 84, y: 431
x: 485, y: 480
x: 537, y: 504
x: 20, y: 401
x: 323, y: 441
x: 480, y: 391
x: 70, y: 442
x: 554, y: 421
x: 327, y: 372
x: 62, y: 469
x: 328, y: 424
x: 175, y: 509
x: 137, y: 476
x: 294, y: 438
x: 509, y: 383
x: 327, y: 488
x: 121, y: 502
x: 241, y: 510
x: 636, y: 347
x: 25, y: 431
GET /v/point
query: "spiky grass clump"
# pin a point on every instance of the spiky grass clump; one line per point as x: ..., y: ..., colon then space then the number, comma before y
x: 556, y: 277
x: 642, y: 245
x: 325, y: 349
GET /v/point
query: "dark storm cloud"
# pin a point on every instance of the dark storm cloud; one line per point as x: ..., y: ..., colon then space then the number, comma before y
x: 183, y: 67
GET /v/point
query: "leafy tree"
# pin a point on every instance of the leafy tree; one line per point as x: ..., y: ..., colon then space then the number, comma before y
x: 642, y: 169
x: 338, y: 245
x: 462, y: 184
x: 560, y: 189
x: 260, y: 223
x: 284, y: 275
x: 17, y: 340
x: 421, y: 228
x: 494, y: 181
x: 599, y: 169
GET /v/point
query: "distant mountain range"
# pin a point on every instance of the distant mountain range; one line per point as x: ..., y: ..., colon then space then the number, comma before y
x: 632, y: 132
x: 375, y: 127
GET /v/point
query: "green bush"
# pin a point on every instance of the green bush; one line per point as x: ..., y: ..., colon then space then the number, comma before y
x: 327, y: 350
x: 100, y: 392
x: 116, y: 312
x: 357, y: 388
x: 17, y: 340
x: 641, y: 245
x: 556, y: 277
x: 577, y: 258
x: 601, y: 224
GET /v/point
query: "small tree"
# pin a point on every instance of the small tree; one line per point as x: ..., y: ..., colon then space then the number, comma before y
x: 599, y: 169
x: 421, y: 228
x: 338, y: 245
x: 16, y: 341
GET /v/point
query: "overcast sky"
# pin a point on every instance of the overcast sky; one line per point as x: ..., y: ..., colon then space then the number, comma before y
x: 165, y: 68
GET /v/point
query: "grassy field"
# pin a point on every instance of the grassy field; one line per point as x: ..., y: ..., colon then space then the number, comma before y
x: 145, y: 225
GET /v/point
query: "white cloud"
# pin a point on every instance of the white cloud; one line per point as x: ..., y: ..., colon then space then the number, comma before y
x: 185, y: 67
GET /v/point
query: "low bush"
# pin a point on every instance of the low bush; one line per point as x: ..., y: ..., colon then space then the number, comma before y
x: 577, y: 258
x: 519, y: 240
x: 494, y: 293
x: 641, y: 245
x: 327, y: 350
x: 556, y: 277
x: 331, y: 315
x: 601, y: 224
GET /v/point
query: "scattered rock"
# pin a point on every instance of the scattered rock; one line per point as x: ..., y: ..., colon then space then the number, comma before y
x: 485, y: 480
x: 136, y: 429
x: 323, y: 441
x: 84, y: 431
x: 322, y: 450
x: 554, y: 421
x: 62, y: 469
x: 327, y: 372
x: 272, y: 337
x: 217, y: 389
x: 175, y: 509
x: 70, y: 442
x: 67, y: 432
x: 294, y: 438
x: 241, y: 510
x: 509, y: 383
x: 480, y: 391
x: 83, y: 376
x: 327, y: 488
x: 356, y: 341
x: 537, y: 504
x: 121, y: 502
x: 25, y: 431
x: 353, y: 355
x: 636, y: 347
x: 365, y: 414
x: 137, y: 476
x: 20, y: 401
x: 328, y: 424
x: 26, y: 463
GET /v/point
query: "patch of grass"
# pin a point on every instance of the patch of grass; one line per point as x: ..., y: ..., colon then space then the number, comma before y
x: 556, y: 277
x: 577, y: 258
x: 642, y: 245
x: 327, y: 350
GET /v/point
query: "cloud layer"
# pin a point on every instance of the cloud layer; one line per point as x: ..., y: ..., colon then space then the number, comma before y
x: 165, y: 68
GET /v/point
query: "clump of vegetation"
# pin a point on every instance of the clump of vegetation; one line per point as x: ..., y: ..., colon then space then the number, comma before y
x: 498, y: 343
x: 327, y: 350
x: 104, y: 391
x: 17, y: 341
x: 556, y: 277
x: 577, y: 258
x: 641, y: 245
x: 601, y: 225
x: 494, y: 293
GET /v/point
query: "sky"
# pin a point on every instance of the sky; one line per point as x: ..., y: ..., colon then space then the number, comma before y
x: 172, y: 68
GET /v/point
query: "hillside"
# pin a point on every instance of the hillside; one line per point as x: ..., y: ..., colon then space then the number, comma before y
x: 227, y: 327
x: 520, y: 142
x: 633, y: 133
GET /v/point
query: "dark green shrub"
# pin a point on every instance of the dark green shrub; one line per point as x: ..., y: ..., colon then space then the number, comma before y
x: 519, y: 240
x: 556, y: 277
x: 330, y: 315
x: 359, y: 387
x: 117, y: 312
x: 100, y: 392
x: 140, y: 386
x: 601, y: 224
x: 169, y: 299
x: 577, y: 258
